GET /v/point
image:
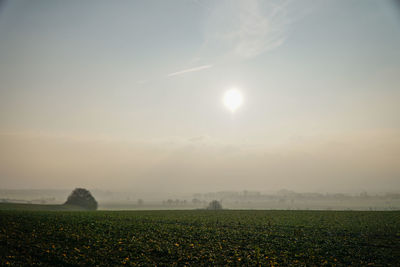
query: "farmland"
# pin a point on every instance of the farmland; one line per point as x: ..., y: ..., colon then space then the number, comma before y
x: 199, y: 237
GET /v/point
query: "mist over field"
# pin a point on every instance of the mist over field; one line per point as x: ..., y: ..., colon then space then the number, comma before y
x: 255, y: 200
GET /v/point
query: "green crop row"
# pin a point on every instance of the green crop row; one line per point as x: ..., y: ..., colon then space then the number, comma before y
x: 193, y: 238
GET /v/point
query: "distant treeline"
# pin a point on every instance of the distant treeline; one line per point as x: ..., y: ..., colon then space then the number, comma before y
x: 285, y: 195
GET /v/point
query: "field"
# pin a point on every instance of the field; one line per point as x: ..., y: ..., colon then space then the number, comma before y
x: 197, y: 237
x: 37, y: 207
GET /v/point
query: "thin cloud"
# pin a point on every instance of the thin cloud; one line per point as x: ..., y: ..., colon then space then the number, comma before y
x: 199, y: 68
x: 245, y: 29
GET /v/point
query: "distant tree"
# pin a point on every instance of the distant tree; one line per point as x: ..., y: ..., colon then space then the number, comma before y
x: 140, y: 201
x: 82, y: 198
x: 214, y: 205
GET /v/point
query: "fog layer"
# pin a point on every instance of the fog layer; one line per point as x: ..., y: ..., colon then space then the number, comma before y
x: 342, y: 163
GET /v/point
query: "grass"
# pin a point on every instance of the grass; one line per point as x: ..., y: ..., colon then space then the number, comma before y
x: 37, y: 207
x: 266, y: 238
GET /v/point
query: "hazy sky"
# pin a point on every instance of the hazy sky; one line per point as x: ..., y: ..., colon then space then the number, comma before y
x: 127, y: 95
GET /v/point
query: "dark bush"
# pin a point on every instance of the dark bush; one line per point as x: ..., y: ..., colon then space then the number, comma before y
x: 82, y: 198
x: 214, y: 205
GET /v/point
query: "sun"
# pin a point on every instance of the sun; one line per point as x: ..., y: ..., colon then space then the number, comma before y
x: 232, y: 99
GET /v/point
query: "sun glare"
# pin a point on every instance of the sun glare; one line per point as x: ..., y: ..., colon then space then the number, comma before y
x: 232, y: 99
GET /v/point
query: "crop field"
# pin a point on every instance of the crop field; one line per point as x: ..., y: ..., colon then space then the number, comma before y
x: 193, y: 238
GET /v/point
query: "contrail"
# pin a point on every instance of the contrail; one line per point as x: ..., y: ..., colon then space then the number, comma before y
x: 189, y: 70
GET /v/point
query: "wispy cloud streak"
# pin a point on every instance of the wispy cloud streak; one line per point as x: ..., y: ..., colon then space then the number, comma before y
x: 245, y: 29
x: 199, y: 68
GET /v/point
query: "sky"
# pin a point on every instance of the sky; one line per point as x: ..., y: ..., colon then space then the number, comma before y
x: 127, y: 95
